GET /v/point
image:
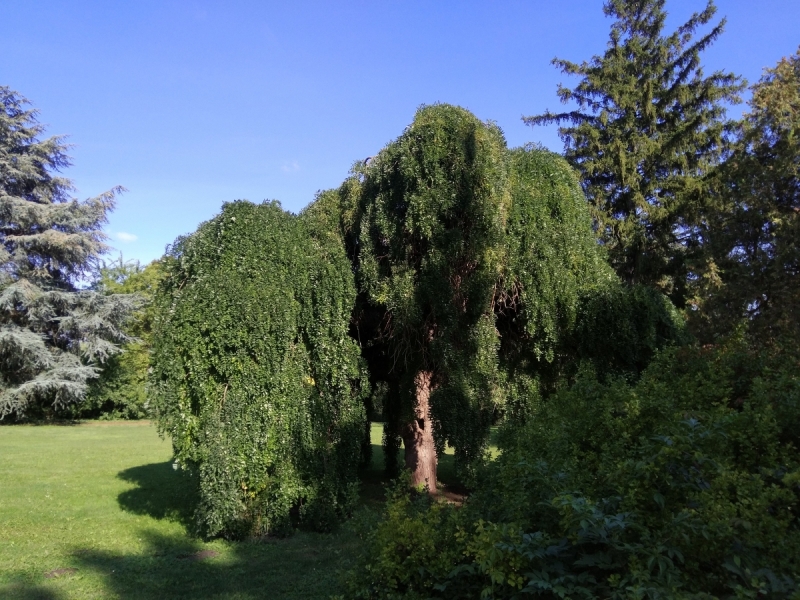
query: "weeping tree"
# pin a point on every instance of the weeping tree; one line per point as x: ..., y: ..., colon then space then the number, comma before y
x: 471, y: 261
x: 456, y: 269
x: 53, y: 334
x: 254, y: 376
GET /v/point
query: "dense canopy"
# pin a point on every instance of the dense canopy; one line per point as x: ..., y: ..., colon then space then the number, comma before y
x: 255, y: 378
x: 472, y: 261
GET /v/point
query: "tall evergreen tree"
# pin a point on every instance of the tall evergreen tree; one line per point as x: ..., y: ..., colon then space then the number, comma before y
x: 647, y: 129
x: 755, y: 237
x: 51, y: 332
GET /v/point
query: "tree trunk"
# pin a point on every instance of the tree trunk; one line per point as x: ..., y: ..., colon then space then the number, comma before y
x: 421, y: 457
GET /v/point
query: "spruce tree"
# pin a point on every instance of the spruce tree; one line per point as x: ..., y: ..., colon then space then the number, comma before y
x: 648, y: 128
x: 52, y: 333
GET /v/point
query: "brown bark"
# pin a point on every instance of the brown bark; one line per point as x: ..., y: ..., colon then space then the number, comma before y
x: 417, y: 435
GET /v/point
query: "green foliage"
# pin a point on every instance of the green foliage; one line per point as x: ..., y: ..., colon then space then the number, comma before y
x: 647, y: 128
x: 52, y: 334
x: 754, y: 236
x: 126, y: 278
x: 120, y: 392
x: 471, y: 260
x: 620, y: 329
x: 554, y: 267
x: 255, y: 378
x: 684, y: 485
x: 551, y: 257
x: 566, y: 304
x: 409, y: 551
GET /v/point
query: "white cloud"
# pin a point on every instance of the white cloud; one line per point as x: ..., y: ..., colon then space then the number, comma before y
x: 125, y: 237
x: 290, y: 167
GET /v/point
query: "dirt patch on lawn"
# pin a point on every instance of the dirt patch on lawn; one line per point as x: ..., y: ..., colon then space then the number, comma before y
x: 454, y: 493
x: 202, y: 555
x: 60, y: 572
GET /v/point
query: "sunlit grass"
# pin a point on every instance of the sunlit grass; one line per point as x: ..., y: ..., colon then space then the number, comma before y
x: 96, y: 511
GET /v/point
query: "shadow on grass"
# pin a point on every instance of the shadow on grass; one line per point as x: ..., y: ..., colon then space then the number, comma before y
x: 165, y: 493
x: 24, y: 590
x: 40, y: 423
x: 302, y: 566
x: 161, y: 492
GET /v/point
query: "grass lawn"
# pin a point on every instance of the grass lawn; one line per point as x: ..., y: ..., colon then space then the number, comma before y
x: 96, y: 511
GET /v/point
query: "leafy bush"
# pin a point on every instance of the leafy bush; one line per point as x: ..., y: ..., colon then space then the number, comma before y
x: 120, y: 392
x: 255, y: 378
x: 684, y: 485
x: 620, y: 328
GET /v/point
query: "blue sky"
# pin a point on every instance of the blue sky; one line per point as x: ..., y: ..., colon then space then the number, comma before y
x: 191, y: 104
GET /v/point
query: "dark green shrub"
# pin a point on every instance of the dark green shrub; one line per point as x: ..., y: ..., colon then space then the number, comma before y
x: 620, y: 328
x: 683, y: 485
x: 120, y: 392
x: 255, y: 378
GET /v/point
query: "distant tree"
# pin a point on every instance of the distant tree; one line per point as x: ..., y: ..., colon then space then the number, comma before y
x: 130, y: 277
x: 120, y: 392
x: 755, y: 235
x: 52, y: 333
x: 114, y: 275
x: 472, y: 262
x: 647, y: 130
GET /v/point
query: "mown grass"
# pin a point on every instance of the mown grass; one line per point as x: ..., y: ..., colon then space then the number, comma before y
x: 95, y: 510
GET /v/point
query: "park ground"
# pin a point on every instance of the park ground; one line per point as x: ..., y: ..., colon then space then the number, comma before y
x: 96, y: 510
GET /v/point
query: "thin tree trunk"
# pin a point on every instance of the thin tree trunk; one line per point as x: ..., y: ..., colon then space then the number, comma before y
x: 421, y: 457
